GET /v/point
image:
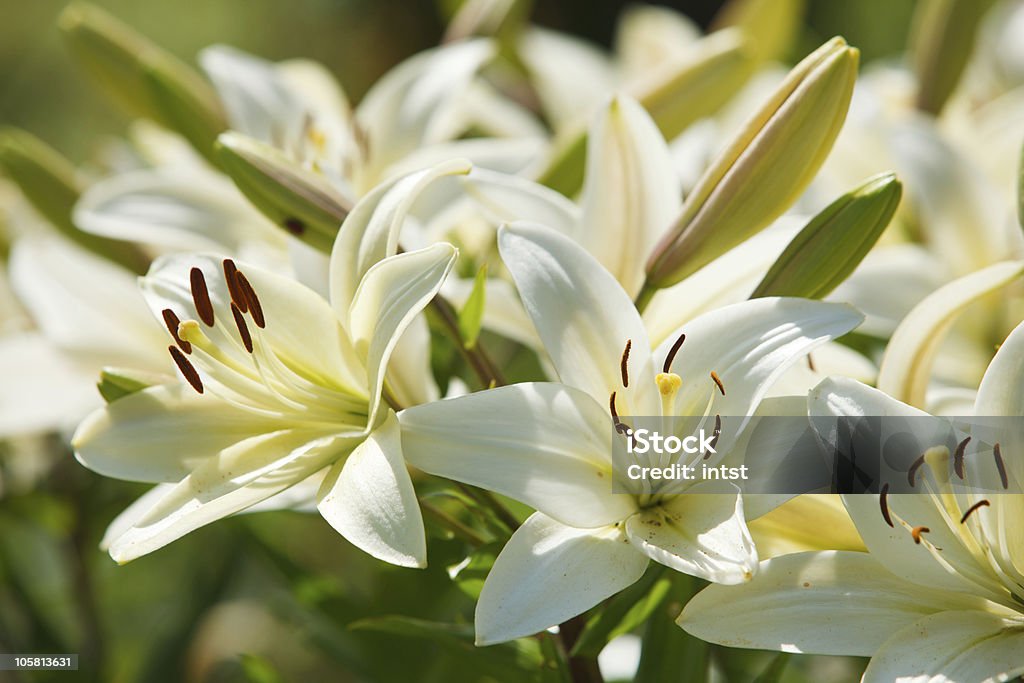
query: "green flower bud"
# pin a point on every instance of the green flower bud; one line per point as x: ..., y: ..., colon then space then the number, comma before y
x: 50, y: 184
x: 296, y: 199
x: 834, y: 242
x: 142, y: 77
x: 765, y: 167
x: 117, y: 383
x: 675, y: 97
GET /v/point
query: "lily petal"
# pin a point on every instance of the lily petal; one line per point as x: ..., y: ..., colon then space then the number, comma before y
x: 241, y: 476
x: 906, y: 366
x: 583, y: 316
x: 951, y: 646
x: 545, y: 444
x: 631, y: 193
x: 368, y: 498
x: 749, y: 345
x: 698, y: 533
x: 506, y: 198
x: 548, y: 573
x: 832, y: 602
x: 388, y: 298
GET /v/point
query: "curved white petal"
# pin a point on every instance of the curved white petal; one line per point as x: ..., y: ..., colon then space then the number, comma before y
x: 1002, y: 388
x: 413, y: 104
x: 631, y: 193
x: 698, y: 533
x: 583, y: 316
x: 239, y: 477
x: 506, y: 198
x: 42, y: 389
x: 409, y: 375
x: 907, y: 363
x: 391, y: 294
x: 832, y: 602
x: 86, y: 305
x: 807, y: 522
x: 160, y: 434
x: 368, y: 498
x: 748, y: 345
x: 548, y: 573
x: 950, y: 647
x: 370, y: 232
x: 547, y: 445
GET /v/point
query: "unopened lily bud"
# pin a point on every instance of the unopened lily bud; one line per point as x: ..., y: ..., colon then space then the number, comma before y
x: 294, y: 198
x: 834, y: 242
x: 771, y: 25
x: 675, y: 96
x: 142, y: 77
x: 765, y: 167
x: 115, y: 383
x: 49, y: 182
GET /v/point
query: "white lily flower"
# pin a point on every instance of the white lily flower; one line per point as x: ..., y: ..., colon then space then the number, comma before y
x: 285, y: 387
x: 940, y: 597
x: 549, y: 445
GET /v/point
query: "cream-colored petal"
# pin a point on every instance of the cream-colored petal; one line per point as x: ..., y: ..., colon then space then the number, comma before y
x: 583, y: 316
x: 505, y: 198
x: 832, y: 602
x: 548, y: 573
x: 545, y: 444
x: 368, y: 498
x: 698, y: 533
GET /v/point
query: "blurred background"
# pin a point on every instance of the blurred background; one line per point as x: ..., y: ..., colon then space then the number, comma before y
x: 280, y: 596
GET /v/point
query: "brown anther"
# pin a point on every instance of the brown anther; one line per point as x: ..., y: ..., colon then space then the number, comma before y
x: 611, y: 407
x: 624, y: 362
x: 231, y: 278
x: 243, y: 330
x: 188, y: 371
x: 715, y: 435
x: 718, y: 381
x: 810, y: 363
x: 916, y: 532
x: 172, y: 322
x: 883, y: 501
x: 201, y: 296
x: 958, y: 457
x: 970, y: 510
x: 667, y: 366
x: 255, y: 308
x: 912, y: 472
x: 1001, y: 466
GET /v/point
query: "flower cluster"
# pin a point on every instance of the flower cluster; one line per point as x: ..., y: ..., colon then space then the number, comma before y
x: 436, y: 313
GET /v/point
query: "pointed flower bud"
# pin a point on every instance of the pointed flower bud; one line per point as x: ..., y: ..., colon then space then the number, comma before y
x: 828, y: 249
x: 142, y: 77
x: 294, y: 198
x: 765, y: 167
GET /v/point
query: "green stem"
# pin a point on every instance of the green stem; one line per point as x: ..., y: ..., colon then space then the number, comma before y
x: 455, y: 526
x: 487, y: 499
x: 477, y: 357
x: 581, y: 669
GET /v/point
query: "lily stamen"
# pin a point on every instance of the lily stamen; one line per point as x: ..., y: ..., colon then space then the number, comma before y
x: 970, y: 510
x: 188, y: 371
x: 255, y: 308
x: 243, y: 329
x: 958, y: 458
x: 883, y: 502
x: 917, y: 531
x: 912, y: 472
x: 201, y: 296
x: 171, y: 321
x: 667, y: 366
x: 231, y: 278
x: 718, y: 382
x: 1001, y: 466
x: 623, y: 363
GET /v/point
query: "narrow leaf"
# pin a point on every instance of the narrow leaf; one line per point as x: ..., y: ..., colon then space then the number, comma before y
x: 471, y: 317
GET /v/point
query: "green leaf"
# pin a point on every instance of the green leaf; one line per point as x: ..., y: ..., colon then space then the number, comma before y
x: 50, y: 184
x: 117, y: 383
x: 295, y: 199
x: 834, y: 242
x: 471, y: 317
x: 773, y: 672
x: 669, y: 653
x: 143, y: 78
x: 675, y: 97
x: 469, y: 574
x: 941, y: 42
x: 258, y: 670
x: 624, y: 612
